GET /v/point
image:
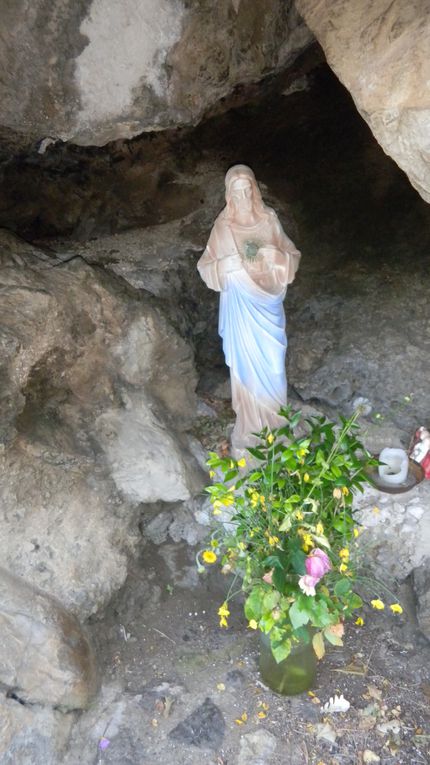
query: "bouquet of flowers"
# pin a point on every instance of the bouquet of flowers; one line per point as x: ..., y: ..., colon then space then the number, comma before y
x: 285, y: 530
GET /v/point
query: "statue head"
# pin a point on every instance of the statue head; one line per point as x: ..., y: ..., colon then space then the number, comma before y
x: 242, y: 192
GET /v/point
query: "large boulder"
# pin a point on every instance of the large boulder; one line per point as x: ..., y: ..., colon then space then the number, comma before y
x: 32, y: 734
x: 115, y: 70
x: 380, y: 50
x: 421, y: 580
x: 98, y: 391
x: 396, y: 531
x: 46, y: 658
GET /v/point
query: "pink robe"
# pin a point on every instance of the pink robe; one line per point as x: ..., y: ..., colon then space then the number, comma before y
x: 252, y: 323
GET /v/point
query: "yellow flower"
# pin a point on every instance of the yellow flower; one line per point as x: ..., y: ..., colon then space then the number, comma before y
x: 319, y: 528
x: 241, y: 546
x: 344, y: 554
x: 253, y: 624
x: 242, y: 462
x: 343, y: 567
x: 270, y: 438
x: 356, y: 532
x: 209, y: 556
x: 378, y: 604
x: 376, y: 510
x: 217, y: 512
x: 345, y: 491
x: 262, y: 499
x: 223, y: 613
x: 261, y: 715
x: 302, y: 452
x: 242, y: 719
x: 308, y: 542
x: 359, y: 621
x: 306, y: 478
x: 396, y: 608
x: 337, y: 493
x: 299, y: 515
x: 255, y: 496
x: 227, y: 500
x: 211, y: 473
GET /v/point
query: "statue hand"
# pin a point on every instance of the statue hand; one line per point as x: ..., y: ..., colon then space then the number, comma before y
x: 272, y: 256
x: 230, y: 263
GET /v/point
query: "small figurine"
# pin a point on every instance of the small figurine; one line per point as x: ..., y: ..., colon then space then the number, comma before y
x: 420, y: 449
x: 250, y: 261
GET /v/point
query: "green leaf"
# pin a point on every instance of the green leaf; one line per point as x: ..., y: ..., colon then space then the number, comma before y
x: 292, y: 500
x: 321, y: 541
x: 281, y: 651
x: 286, y: 524
x: 270, y: 600
x: 272, y: 561
x: 266, y: 623
x: 298, y: 558
x: 278, y: 579
x: 355, y: 601
x: 320, y: 613
x: 256, y: 453
x: 318, y: 644
x: 254, y: 603
x: 298, y: 616
x: 342, y: 587
x: 230, y: 475
x: 332, y: 638
x: 303, y: 634
x: 295, y: 420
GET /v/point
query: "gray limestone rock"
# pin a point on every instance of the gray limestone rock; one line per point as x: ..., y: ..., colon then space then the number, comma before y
x: 32, y: 734
x: 257, y: 748
x: 114, y: 71
x: 97, y: 388
x: 203, y: 728
x: 45, y: 656
x: 421, y: 581
x: 380, y: 51
x: 396, y: 538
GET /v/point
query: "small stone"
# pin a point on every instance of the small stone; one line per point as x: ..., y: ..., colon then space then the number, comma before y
x: 416, y: 512
x: 326, y: 732
x: 203, y: 410
x: 204, y: 728
x: 369, y: 756
x: 256, y: 748
x: 391, y: 726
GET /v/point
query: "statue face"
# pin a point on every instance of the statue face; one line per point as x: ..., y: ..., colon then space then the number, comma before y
x: 241, y: 195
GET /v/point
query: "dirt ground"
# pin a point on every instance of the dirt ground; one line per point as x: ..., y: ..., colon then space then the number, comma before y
x: 193, y: 692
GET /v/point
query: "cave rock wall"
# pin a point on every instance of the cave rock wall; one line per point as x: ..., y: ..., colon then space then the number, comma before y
x: 380, y: 50
x: 94, y: 71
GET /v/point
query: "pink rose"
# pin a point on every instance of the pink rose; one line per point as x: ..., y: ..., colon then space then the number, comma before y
x: 317, y: 563
x: 307, y: 584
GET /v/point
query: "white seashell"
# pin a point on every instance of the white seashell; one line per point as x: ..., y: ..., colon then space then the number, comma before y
x: 336, y: 704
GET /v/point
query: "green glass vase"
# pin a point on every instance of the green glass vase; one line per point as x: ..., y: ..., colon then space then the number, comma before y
x: 294, y: 674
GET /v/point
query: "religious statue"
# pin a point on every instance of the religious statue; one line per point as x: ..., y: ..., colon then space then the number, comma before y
x: 250, y: 261
x: 420, y: 449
